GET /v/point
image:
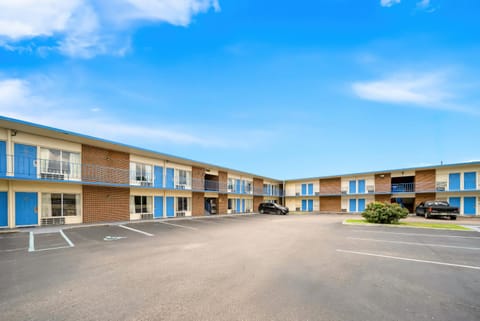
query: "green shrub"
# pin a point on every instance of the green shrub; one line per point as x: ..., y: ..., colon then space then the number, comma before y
x: 384, y: 213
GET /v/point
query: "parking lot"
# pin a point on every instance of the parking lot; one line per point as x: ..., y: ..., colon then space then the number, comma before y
x: 253, y: 267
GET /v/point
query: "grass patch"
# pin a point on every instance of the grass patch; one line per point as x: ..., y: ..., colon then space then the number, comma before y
x: 448, y: 226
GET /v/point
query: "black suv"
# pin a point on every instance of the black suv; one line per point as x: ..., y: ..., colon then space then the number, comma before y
x: 272, y: 208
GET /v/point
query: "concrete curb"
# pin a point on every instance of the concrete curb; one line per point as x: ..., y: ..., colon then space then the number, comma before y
x: 403, y: 226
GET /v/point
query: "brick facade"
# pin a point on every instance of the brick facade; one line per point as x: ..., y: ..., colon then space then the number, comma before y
x: 383, y: 183
x: 105, y: 204
x: 256, y: 202
x: 198, y: 204
x: 425, y: 181
x: 330, y: 186
x: 424, y: 197
x: 103, y: 165
x: 330, y: 204
x: 222, y: 203
x: 383, y: 198
x: 257, y: 189
x: 198, y: 178
x: 222, y: 184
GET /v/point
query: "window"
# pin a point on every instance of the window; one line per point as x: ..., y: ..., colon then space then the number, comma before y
x: 183, y: 204
x: 141, y: 174
x: 248, y: 187
x: 140, y: 204
x: 60, y: 165
x: 231, y: 185
x: 183, y: 179
x: 58, y: 204
x: 230, y: 203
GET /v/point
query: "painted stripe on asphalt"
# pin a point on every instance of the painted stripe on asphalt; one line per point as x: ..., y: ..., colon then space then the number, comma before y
x: 415, y: 243
x: 66, y: 239
x: 53, y: 248
x: 177, y: 225
x: 419, y: 234
x: 410, y: 259
x: 31, y: 243
x: 135, y: 230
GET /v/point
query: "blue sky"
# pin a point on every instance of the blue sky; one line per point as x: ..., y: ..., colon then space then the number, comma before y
x: 281, y: 89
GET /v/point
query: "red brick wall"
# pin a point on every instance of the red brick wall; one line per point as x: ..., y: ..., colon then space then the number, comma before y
x: 330, y: 204
x: 105, y: 204
x: 383, y: 198
x: 330, y: 186
x: 198, y: 204
x: 106, y: 166
x: 198, y: 178
x: 257, y: 189
x: 256, y: 202
x: 222, y: 181
x: 222, y: 203
x: 425, y: 181
x: 383, y: 184
x: 424, y: 197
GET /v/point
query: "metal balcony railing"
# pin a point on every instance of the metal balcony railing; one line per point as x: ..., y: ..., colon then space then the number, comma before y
x: 403, y: 188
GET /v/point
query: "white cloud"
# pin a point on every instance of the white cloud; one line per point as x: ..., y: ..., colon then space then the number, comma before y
x: 389, y: 3
x: 428, y: 90
x: 29, y: 100
x: 423, y: 4
x: 84, y: 28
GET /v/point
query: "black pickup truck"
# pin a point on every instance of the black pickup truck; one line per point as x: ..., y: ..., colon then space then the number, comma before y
x: 436, y: 209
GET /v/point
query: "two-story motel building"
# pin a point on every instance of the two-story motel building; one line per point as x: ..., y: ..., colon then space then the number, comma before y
x: 52, y: 176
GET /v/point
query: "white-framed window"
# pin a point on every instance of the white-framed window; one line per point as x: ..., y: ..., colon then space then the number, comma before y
x: 140, y: 204
x: 231, y: 185
x: 59, y: 164
x: 60, y: 204
x: 248, y: 187
x: 141, y: 174
x: 248, y: 205
x: 183, y: 179
x: 183, y: 204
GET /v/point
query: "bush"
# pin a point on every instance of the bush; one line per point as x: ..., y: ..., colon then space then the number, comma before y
x: 384, y: 213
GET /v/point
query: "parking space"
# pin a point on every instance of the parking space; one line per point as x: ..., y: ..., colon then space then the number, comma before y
x: 269, y: 267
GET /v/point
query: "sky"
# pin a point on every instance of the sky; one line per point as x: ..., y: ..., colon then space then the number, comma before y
x: 277, y: 88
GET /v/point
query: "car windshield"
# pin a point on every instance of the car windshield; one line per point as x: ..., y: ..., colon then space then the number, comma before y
x: 436, y: 203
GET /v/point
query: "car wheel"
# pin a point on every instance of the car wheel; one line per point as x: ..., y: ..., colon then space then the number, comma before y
x: 285, y: 213
x: 426, y: 215
x: 453, y: 217
x: 262, y: 211
x: 279, y: 212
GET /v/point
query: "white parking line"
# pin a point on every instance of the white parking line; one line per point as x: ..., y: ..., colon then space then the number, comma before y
x: 414, y: 243
x: 53, y: 248
x: 66, y: 239
x: 409, y: 259
x: 31, y: 243
x: 135, y: 230
x: 177, y: 225
x: 419, y: 234
x: 13, y: 250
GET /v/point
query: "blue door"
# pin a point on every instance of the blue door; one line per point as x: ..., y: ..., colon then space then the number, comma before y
x: 158, y: 203
x: 310, y: 205
x: 470, y: 180
x: 361, y: 204
x: 169, y: 178
x: 304, y: 189
x: 238, y: 205
x: 469, y: 205
x: 304, y: 205
x: 353, y: 205
x: 310, y: 189
x: 26, y: 209
x: 243, y: 206
x: 352, y: 187
x: 243, y: 187
x: 237, y: 186
x: 170, y: 206
x: 361, y: 186
x: 3, y: 159
x: 158, y: 177
x: 3, y: 209
x: 25, y: 161
x: 454, y: 201
x: 454, y: 182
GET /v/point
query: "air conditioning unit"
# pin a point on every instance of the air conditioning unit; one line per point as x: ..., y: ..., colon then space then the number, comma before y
x: 317, y: 193
x: 145, y: 183
x: 371, y: 189
x: 344, y: 192
x: 344, y: 210
x: 180, y: 214
x: 297, y: 209
x: 53, y: 221
x: 147, y: 216
x: 180, y: 186
x: 440, y: 189
x: 53, y: 176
